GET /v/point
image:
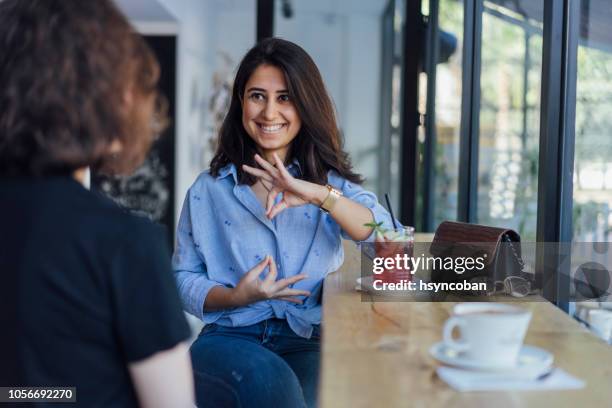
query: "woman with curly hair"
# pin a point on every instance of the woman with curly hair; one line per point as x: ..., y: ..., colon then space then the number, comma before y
x: 87, y: 298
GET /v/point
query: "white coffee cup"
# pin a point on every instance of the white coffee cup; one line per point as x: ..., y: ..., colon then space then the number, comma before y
x: 600, y: 321
x: 490, y: 333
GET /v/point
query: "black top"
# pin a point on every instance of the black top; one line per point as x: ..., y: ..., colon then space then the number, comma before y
x: 85, y: 288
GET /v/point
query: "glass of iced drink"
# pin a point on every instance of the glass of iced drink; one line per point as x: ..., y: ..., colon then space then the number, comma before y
x: 399, y: 245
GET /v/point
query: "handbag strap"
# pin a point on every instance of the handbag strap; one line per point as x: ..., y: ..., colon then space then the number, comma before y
x: 517, y: 257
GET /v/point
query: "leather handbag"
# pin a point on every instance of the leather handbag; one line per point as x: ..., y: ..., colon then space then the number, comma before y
x: 498, y: 249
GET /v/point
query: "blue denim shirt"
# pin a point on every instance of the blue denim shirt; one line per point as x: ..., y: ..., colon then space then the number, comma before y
x: 223, y: 232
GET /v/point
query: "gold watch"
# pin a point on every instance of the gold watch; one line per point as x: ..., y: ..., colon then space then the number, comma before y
x: 330, y: 201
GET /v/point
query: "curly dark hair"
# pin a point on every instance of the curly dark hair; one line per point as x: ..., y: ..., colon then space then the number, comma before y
x: 74, y: 78
x: 318, y: 144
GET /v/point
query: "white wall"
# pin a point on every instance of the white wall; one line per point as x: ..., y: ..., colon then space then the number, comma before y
x: 148, y: 16
x: 206, y: 30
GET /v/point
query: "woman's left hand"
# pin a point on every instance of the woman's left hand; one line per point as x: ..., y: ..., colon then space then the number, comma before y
x: 278, y: 180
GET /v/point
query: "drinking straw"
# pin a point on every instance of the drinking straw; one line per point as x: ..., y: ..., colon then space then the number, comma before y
x: 390, y: 211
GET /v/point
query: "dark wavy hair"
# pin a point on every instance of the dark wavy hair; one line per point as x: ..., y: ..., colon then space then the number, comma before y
x: 318, y: 144
x: 65, y: 69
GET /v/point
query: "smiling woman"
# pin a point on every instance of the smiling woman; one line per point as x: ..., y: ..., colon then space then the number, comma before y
x: 278, y: 83
x: 260, y: 231
x: 269, y: 116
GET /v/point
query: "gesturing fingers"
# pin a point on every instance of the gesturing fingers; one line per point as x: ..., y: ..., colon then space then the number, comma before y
x: 270, y: 200
x: 268, y: 185
x: 258, y: 173
x: 281, y: 167
x: 270, y: 169
x: 258, y: 269
x: 272, y: 212
x: 291, y: 292
x: 273, y: 273
x: 285, y: 282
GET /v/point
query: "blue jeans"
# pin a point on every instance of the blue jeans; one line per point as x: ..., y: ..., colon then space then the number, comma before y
x: 262, y: 365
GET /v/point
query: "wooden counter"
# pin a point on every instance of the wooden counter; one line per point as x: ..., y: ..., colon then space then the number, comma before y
x: 376, y: 354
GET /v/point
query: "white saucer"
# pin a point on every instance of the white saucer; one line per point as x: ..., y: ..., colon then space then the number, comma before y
x: 532, y: 361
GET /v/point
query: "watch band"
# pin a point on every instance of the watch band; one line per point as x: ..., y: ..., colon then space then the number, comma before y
x: 332, y: 197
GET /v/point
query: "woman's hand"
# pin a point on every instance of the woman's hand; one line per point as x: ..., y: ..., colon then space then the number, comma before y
x: 252, y: 289
x: 278, y: 180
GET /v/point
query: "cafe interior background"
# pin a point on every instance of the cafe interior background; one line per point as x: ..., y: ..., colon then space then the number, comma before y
x: 494, y: 112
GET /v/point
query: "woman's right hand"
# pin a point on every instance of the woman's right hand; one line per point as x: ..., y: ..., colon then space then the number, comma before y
x: 251, y: 288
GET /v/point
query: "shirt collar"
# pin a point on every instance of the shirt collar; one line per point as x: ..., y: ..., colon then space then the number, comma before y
x: 294, y: 169
x: 227, y: 170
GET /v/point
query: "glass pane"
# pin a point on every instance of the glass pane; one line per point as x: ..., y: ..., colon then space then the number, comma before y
x: 592, y: 182
x: 510, y: 115
x: 593, y: 149
x: 447, y: 111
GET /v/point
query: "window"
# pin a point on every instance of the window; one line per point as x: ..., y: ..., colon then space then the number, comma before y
x: 510, y: 76
x: 592, y: 207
